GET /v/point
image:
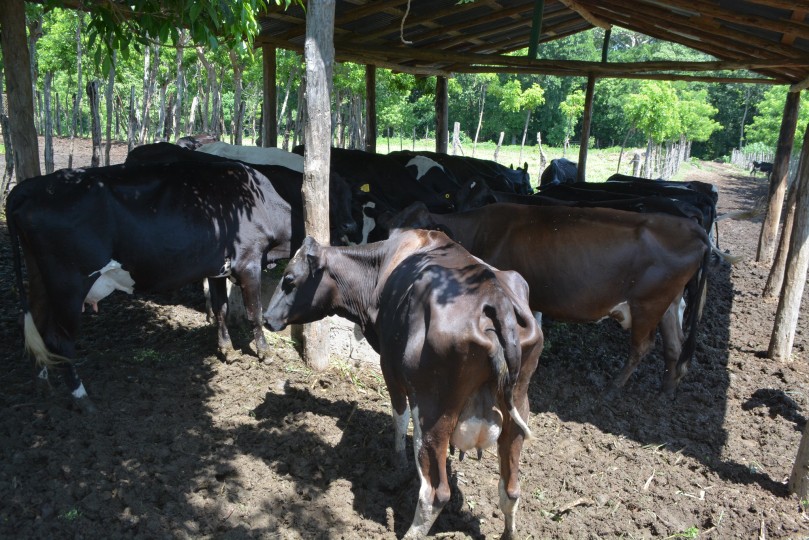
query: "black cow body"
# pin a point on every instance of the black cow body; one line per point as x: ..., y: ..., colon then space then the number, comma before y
x: 457, y: 344
x: 87, y: 232
x: 287, y: 183
x: 559, y: 171
x: 381, y: 186
x: 429, y: 173
x: 465, y: 169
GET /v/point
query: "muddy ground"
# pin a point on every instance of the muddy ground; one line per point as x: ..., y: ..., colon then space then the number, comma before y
x: 187, y: 446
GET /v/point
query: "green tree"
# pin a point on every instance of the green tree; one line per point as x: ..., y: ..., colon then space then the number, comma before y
x: 767, y: 123
x: 572, y: 107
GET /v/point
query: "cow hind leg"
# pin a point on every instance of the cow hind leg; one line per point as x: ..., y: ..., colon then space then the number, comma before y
x: 641, y: 340
x: 430, y: 444
x: 219, y: 306
x: 671, y: 332
x: 250, y: 283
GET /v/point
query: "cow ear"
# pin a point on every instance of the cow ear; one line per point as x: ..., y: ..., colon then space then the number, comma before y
x: 312, y: 250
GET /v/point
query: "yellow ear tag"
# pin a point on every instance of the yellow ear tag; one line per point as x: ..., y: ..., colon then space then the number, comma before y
x: 365, y: 188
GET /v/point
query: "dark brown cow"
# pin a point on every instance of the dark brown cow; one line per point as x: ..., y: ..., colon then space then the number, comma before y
x: 585, y: 264
x: 457, y: 344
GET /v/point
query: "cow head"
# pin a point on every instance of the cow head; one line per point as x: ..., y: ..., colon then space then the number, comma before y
x: 303, y: 294
x: 474, y: 194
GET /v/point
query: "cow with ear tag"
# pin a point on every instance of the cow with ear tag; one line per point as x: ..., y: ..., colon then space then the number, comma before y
x: 457, y: 342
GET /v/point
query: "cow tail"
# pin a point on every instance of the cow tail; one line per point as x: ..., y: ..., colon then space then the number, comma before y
x: 34, y: 344
x: 507, y: 358
x: 695, y: 296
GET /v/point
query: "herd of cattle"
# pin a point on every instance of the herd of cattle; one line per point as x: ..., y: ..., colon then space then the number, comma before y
x: 446, y: 263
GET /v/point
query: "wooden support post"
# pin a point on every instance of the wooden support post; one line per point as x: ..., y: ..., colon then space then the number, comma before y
x: 587, y: 119
x: 319, y: 57
x: 441, y: 114
x: 536, y: 29
x: 789, y: 303
x: 269, y: 124
x: 778, y: 179
x: 370, y: 108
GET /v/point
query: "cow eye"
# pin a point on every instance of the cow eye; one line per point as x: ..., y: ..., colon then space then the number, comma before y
x: 288, y: 282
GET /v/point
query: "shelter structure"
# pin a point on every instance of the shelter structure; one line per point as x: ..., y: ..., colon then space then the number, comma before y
x: 753, y: 41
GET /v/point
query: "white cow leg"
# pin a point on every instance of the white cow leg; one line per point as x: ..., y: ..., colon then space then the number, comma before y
x: 509, y: 508
x: 426, y: 511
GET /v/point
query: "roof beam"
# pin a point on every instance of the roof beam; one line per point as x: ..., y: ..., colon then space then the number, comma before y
x: 575, y: 5
x: 710, y: 10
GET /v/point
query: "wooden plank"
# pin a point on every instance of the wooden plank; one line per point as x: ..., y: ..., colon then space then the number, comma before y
x: 709, y: 9
x: 441, y: 115
x: 586, y: 14
x: 536, y: 28
x: 370, y: 108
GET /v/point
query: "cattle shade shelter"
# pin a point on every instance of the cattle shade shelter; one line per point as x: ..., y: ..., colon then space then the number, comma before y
x: 441, y: 37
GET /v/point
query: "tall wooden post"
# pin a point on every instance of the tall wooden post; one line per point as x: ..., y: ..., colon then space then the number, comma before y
x: 319, y: 56
x: 370, y: 108
x: 588, y: 113
x: 536, y: 29
x: 789, y: 303
x: 17, y: 67
x: 441, y: 114
x: 269, y: 125
x: 778, y: 179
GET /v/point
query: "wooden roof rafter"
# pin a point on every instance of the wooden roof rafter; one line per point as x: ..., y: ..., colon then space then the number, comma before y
x: 748, y: 32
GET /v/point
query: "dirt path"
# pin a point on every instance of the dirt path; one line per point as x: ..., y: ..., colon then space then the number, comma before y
x: 185, y: 446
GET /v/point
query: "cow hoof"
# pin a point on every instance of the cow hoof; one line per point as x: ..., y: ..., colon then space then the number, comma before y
x: 85, y: 405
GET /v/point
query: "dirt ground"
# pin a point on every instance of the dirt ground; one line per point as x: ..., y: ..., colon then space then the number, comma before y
x: 187, y: 446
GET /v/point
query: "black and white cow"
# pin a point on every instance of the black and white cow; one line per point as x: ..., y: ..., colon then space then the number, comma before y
x: 457, y: 342
x: 87, y: 232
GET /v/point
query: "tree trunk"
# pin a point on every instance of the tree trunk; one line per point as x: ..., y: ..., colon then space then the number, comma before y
x: 34, y: 33
x: 192, y: 116
x: 151, y: 63
x: 623, y: 145
x: 297, y: 137
x: 159, y: 134
x: 109, y: 102
x: 24, y: 145
x: 77, y: 96
x: 319, y: 56
x: 789, y: 303
x: 648, y: 163
x: 778, y: 178
x: 747, y: 93
x: 9, y: 171
x: 131, y: 125
x: 180, y: 84
x: 482, y: 107
x: 168, y: 126
x: 238, y: 110
x: 48, y: 150
x: 93, y: 98
x: 58, y: 116
x: 370, y: 110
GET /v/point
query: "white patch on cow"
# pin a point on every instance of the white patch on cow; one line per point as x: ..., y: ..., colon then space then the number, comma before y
x: 479, y: 423
x: 255, y: 154
x: 368, y: 223
x: 622, y: 314
x: 43, y: 373
x: 538, y: 318
x: 113, y: 277
x: 425, y: 511
x: 508, y: 507
x: 681, y: 312
x: 79, y: 392
x: 473, y: 184
x: 400, y: 422
x: 423, y: 165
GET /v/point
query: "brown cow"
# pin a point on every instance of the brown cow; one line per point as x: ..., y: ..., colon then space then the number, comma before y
x: 457, y: 344
x: 585, y: 264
